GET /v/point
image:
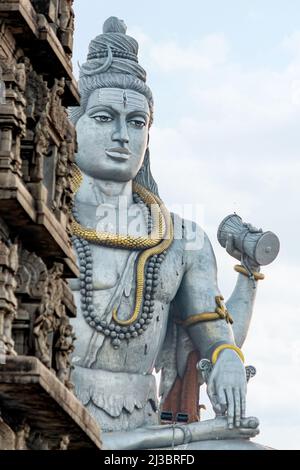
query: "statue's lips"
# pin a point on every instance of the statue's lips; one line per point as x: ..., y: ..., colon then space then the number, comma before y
x: 118, y: 153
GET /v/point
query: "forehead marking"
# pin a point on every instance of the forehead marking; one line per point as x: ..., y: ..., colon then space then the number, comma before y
x: 116, y: 96
x: 125, y: 99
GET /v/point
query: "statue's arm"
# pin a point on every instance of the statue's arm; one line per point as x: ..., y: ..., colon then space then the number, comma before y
x: 197, y: 295
x: 240, y: 305
x: 241, y: 302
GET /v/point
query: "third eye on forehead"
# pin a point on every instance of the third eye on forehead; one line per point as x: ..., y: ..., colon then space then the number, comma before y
x: 124, y: 98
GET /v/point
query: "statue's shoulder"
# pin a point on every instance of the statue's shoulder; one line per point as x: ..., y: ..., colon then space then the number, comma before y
x: 191, y: 234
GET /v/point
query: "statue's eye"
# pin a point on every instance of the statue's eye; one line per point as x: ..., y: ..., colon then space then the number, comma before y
x: 138, y: 123
x: 102, y: 118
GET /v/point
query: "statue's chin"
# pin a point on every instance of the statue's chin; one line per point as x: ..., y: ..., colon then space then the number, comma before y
x: 111, y: 177
x: 117, y: 175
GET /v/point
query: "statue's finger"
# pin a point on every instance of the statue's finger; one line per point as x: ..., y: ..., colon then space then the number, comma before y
x: 218, y: 410
x: 230, y: 407
x: 237, y: 406
x: 243, y: 404
x: 250, y: 422
x: 222, y: 400
x: 229, y: 244
x: 216, y: 405
x: 210, y: 389
x: 250, y: 432
x: 230, y: 248
x: 237, y: 255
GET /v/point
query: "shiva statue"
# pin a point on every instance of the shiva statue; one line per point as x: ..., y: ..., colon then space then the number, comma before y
x: 147, y: 298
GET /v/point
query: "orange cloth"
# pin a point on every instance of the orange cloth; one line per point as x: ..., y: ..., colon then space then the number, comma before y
x: 184, y: 395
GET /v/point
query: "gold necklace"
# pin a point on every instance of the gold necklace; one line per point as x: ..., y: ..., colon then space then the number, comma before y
x: 154, y: 244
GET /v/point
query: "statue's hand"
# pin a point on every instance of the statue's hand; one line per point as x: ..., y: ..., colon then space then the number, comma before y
x: 227, y: 387
x: 230, y: 248
x: 232, y: 251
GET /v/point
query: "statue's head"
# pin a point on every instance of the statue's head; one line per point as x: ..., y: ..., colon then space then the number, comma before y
x: 116, y: 110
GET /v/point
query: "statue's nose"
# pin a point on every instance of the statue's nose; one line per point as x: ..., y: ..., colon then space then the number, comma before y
x: 121, y: 133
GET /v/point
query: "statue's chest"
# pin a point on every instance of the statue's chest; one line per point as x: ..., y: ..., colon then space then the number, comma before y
x: 113, y: 266
x: 108, y: 266
x: 115, y: 285
x: 109, y: 263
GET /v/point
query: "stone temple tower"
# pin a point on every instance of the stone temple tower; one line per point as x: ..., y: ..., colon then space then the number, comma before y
x: 38, y: 409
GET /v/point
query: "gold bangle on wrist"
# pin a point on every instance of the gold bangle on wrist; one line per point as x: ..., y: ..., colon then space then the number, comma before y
x: 242, y: 270
x: 220, y: 348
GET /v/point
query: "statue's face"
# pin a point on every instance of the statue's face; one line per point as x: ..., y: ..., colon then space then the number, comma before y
x: 113, y: 134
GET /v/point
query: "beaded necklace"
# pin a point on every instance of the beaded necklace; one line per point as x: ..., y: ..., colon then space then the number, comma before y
x: 148, y: 268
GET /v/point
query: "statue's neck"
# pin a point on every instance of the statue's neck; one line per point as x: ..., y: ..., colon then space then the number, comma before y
x: 95, y: 191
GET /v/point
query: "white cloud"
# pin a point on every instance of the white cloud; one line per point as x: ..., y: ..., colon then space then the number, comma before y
x: 291, y: 43
x: 202, y: 54
x: 197, y: 56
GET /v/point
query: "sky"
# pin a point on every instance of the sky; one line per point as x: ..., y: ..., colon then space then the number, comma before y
x: 226, y: 83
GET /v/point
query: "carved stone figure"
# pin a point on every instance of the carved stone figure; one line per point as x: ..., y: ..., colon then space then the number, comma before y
x: 13, y: 263
x: 21, y: 76
x: 2, y: 88
x: 63, y: 349
x: 8, y: 301
x: 147, y: 295
x: 36, y: 93
x: 64, y: 443
x: 32, y: 275
x: 57, y: 112
x: 43, y: 326
x: 41, y: 141
x: 38, y: 442
x: 62, y: 172
x: 7, y: 436
x: 71, y: 140
x: 67, y: 26
x: 55, y: 287
x: 64, y: 195
x: 49, y: 314
x: 22, y: 435
x: 66, y: 15
x: 13, y: 119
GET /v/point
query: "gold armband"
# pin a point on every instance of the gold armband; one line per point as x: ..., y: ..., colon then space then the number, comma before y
x: 200, y: 317
x: 242, y: 270
x: 220, y: 313
x: 220, y: 348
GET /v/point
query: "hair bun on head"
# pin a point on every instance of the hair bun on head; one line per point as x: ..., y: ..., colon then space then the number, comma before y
x: 114, y: 25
